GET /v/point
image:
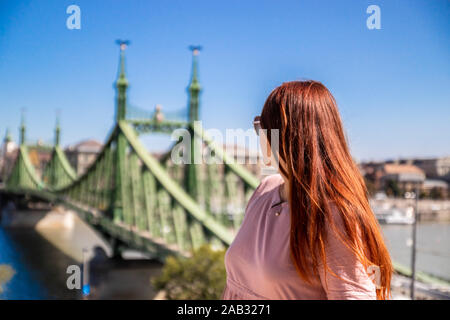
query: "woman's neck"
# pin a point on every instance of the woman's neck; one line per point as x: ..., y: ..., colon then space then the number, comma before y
x: 284, y: 189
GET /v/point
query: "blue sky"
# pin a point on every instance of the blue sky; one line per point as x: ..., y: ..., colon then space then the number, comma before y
x: 392, y: 85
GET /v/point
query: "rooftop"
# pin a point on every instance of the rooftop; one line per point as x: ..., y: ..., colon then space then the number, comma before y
x: 391, y: 168
x: 86, y: 146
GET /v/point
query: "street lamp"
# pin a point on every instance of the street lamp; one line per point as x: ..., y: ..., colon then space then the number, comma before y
x: 414, y: 240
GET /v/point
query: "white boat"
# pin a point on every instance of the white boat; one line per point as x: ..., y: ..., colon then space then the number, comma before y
x: 395, y: 216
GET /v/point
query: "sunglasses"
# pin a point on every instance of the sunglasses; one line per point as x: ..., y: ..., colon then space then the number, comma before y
x: 257, y: 124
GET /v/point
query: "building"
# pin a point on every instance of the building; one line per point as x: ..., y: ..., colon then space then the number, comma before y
x: 406, y: 176
x: 437, y: 189
x: 372, y: 172
x: 250, y: 159
x: 40, y: 155
x: 8, y: 156
x: 437, y: 168
x: 83, y: 154
x: 246, y: 157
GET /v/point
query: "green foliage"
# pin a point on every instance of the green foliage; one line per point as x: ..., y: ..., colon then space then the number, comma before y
x: 423, y: 195
x: 371, y: 190
x: 436, y: 194
x: 392, y: 188
x: 200, y: 277
x: 6, y: 273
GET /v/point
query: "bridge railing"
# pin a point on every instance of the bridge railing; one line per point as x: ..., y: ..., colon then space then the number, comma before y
x: 224, y: 186
x: 58, y: 172
x: 189, y: 225
x: 145, y: 121
x: 94, y: 187
x: 154, y: 205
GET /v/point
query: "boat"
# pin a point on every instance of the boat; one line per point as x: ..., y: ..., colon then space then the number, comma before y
x: 395, y: 216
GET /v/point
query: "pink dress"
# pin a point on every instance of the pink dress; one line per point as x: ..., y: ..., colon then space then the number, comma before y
x: 258, y: 263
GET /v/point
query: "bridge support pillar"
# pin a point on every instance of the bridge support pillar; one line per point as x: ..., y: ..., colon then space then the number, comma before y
x: 116, y: 248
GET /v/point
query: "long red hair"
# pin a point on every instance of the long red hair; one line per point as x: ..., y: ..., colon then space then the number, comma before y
x: 321, y: 170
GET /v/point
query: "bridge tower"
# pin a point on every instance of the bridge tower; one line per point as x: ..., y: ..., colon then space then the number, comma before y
x: 57, y: 132
x: 4, y: 154
x: 53, y: 175
x: 194, y: 89
x: 8, y: 137
x: 20, y: 174
x: 120, y: 152
x: 121, y: 83
x: 22, y: 129
x: 53, y: 178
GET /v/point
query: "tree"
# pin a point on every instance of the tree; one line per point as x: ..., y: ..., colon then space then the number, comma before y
x: 392, y: 188
x: 202, y: 276
x: 436, y: 193
x: 370, y: 186
x: 6, y: 273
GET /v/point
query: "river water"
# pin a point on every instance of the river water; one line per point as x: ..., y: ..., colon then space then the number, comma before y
x: 433, y: 246
x: 41, y: 256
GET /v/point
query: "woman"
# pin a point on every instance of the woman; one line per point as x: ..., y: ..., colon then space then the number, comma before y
x: 308, y: 232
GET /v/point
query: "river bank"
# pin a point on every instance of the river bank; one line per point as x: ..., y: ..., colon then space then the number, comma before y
x: 41, y: 250
x: 429, y: 210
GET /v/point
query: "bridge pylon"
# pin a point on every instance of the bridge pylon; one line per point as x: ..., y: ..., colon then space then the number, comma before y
x: 194, y: 90
x: 23, y: 175
x: 22, y: 129
x: 120, y: 152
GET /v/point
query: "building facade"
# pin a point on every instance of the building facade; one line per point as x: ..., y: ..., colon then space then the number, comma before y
x: 437, y: 168
x: 83, y: 154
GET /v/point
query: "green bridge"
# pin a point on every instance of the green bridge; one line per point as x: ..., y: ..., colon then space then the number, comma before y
x: 136, y: 200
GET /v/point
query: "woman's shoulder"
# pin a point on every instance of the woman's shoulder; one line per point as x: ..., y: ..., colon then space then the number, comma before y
x: 264, y: 194
x: 269, y: 183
